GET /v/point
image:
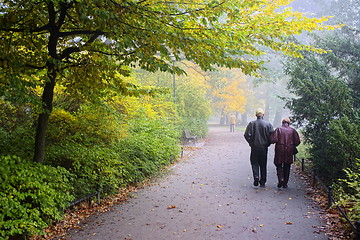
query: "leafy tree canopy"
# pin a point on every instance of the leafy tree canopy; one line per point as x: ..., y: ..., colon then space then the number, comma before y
x: 73, y: 34
x: 229, y: 95
x: 87, y: 46
x: 327, y: 102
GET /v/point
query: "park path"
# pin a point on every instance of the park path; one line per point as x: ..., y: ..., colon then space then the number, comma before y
x: 209, y: 195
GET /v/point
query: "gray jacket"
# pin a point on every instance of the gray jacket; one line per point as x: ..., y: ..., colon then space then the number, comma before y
x: 258, y: 133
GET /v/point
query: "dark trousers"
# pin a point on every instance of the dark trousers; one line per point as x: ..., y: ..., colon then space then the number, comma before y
x: 283, y: 172
x: 258, y: 159
x: 232, y: 127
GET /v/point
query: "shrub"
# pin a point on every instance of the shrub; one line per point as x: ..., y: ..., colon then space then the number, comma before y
x: 93, y: 167
x: 344, y: 141
x: 13, y: 115
x: 92, y: 124
x: 61, y: 126
x: 31, y: 196
x: 337, y: 149
x: 196, y: 126
x: 18, y: 142
x: 98, y: 124
x: 150, y: 145
x: 349, y: 192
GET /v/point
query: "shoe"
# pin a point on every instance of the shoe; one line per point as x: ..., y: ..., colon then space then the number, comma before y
x: 256, y: 182
x: 285, y: 186
x: 262, y: 185
x: 280, y: 184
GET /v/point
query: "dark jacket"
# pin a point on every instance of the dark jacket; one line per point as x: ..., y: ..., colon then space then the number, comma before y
x: 286, y: 138
x: 258, y: 133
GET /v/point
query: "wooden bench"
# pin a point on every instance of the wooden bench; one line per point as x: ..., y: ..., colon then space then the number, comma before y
x: 188, y: 137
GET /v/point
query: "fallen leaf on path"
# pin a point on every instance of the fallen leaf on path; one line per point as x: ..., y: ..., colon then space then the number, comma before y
x: 171, y: 207
x: 288, y: 223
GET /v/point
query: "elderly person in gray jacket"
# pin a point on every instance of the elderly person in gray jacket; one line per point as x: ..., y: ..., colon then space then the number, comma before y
x: 257, y: 134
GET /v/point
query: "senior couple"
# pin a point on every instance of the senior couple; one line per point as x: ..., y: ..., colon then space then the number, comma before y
x: 260, y: 134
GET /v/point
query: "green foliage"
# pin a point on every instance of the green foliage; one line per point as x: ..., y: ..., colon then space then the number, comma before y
x: 326, y: 104
x: 150, y: 144
x: 320, y: 96
x: 91, y: 124
x: 61, y: 126
x: 134, y: 40
x: 94, y: 168
x: 19, y: 141
x: 349, y: 192
x: 97, y: 123
x: 31, y: 196
x: 193, y: 108
x: 338, y: 150
x: 196, y: 126
x: 344, y: 57
x: 343, y: 140
x: 190, y: 97
x: 15, y: 114
x: 96, y: 145
x: 87, y: 46
x: 106, y: 144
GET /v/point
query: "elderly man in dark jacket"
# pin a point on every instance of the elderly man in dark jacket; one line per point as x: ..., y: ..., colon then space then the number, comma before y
x: 286, y: 139
x: 257, y: 134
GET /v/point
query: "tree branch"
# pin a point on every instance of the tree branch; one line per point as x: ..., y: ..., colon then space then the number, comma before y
x: 113, y: 54
x: 3, y: 61
x: 66, y: 53
x: 81, y: 32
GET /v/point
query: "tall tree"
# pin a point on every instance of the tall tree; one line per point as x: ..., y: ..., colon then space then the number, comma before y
x: 327, y: 102
x: 228, y: 92
x: 82, y: 44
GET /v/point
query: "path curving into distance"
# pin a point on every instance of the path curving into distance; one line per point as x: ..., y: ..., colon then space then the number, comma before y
x: 209, y: 195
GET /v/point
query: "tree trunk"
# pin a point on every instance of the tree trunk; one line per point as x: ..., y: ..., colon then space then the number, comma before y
x: 43, y: 120
x: 244, y: 117
x: 222, y: 117
x: 277, y: 119
x: 267, y: 111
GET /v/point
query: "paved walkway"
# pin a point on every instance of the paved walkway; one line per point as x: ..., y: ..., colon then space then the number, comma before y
x: 209, y: 195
